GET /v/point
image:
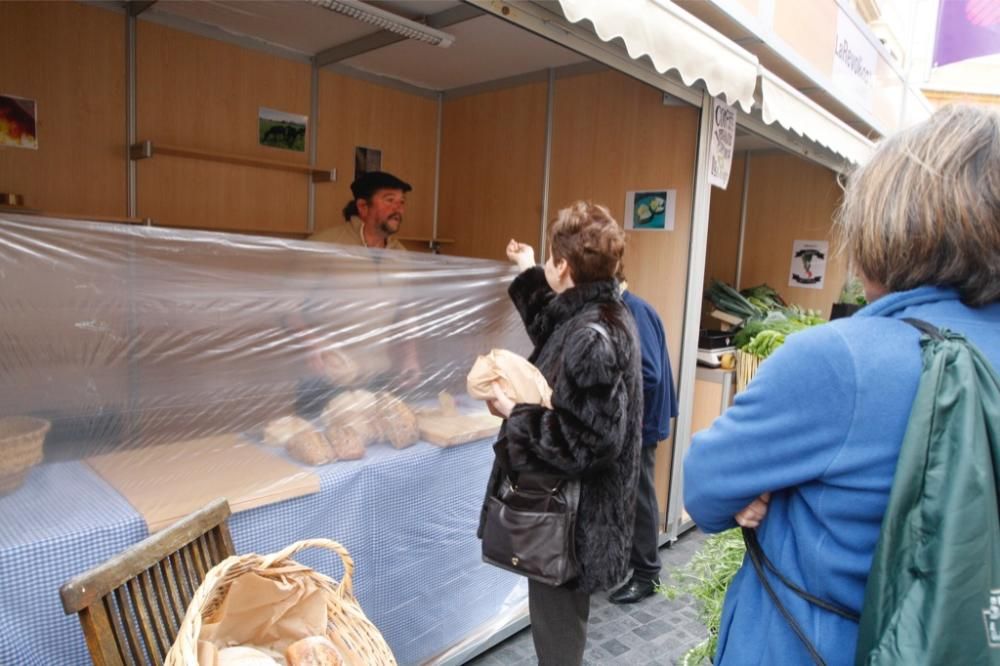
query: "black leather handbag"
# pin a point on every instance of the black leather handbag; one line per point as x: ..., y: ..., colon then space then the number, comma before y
x: 529, y: 525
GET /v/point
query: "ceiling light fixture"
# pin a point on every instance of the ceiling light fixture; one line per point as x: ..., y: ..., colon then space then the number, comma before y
x: 388, y: 21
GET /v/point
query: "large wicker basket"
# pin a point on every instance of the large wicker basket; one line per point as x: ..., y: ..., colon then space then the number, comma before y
x: 21, y: 448
x: 347, y: 625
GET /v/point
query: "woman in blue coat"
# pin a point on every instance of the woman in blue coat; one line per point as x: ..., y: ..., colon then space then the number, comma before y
x: 807, y: 453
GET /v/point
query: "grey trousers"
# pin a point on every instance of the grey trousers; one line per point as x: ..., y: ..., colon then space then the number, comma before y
x: 645, y: 558
x: 558, y: 623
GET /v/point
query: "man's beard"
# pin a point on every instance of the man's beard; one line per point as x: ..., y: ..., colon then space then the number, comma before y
x: 386, y: 226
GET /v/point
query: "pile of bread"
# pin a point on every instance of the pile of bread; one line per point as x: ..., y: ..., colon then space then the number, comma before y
x: 311, y: 651
x: 351, y: 421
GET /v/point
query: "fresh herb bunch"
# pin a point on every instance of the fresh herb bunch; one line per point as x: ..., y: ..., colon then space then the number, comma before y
x: 706, y: 577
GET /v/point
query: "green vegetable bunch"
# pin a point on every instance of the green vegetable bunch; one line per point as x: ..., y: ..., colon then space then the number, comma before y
x: 764, y: 343
x: 706, y: 578
x: 731, y: 301
x: 764, y: 298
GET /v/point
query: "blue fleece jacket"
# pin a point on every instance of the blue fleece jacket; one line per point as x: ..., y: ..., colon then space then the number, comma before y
x: 820, y: 427
x: 659, y: 398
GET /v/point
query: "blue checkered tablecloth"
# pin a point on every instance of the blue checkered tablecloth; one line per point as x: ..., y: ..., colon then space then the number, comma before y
x: 61, y: 522
x: 407, y: 517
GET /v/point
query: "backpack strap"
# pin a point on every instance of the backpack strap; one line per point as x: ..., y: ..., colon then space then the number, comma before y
x: 760, y: 562
x: 929, y: 330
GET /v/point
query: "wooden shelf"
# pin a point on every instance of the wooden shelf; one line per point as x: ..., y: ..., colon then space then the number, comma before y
x: 426, y: 239
x: 74, y: 216
x: 146, y: 149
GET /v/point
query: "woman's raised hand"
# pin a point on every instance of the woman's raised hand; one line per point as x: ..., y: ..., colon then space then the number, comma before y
x: 521, y: 254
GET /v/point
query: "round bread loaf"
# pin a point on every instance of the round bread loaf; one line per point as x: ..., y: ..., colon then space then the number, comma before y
x: 310, y: 447
x: 353, y: 409
x: 313, y: 651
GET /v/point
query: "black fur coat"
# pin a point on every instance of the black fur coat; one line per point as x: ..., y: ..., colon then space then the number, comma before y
x: 594, y: 429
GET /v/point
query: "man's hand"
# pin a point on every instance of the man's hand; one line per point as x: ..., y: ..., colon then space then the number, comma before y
x: 501, y: 405
x: 521, y: 254
x: 753, y: 513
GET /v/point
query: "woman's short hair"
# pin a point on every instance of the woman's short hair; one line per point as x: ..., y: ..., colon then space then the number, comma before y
x: 925, y: 209
x: 589, y: 239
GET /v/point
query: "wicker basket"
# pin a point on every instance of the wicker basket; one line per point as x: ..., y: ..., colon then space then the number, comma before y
x: 746, y: 368
x: 347, y: 625
x: 21, y: 440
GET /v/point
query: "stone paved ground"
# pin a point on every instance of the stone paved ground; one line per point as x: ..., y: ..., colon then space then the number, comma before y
x: 653, y: 631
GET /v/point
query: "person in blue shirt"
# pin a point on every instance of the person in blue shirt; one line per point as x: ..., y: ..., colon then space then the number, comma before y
x: 659, y: 406
x: 807, y: 453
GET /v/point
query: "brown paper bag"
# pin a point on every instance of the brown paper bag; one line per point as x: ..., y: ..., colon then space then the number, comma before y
x: 519, y: 379
x: 269, y: 614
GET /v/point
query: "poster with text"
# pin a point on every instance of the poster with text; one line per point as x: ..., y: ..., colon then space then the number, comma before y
x: 720, y: 146
x: 650, y: 209
x: 17, y: 122
x: 808, y: 264
x: 278, y: 129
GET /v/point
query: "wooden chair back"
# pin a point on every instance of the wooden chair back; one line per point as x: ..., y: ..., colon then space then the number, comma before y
x: 131, y: 606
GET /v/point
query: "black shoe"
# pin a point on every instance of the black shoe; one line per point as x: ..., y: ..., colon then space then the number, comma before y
x: 636, y: 589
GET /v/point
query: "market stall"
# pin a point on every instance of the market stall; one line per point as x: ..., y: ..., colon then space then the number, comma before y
x: 169, y: 375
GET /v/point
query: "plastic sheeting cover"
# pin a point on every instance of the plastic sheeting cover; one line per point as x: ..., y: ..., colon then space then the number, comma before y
x: 127, y: 336
x: 151, y: 350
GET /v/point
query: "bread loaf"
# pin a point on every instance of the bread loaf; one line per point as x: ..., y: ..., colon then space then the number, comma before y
x: 313, y: 651
x: 245, y: 656
x: 397, y: 423
x: 347, y: 443
x: 279, y: 431
x: 354, y: 409
x: 310, y: 447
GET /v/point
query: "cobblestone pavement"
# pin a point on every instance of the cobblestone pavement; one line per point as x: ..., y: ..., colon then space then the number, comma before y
x: 653, y: 631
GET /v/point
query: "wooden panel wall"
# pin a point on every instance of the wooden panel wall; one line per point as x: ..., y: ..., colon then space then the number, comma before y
x: 492, y: 164
x: 200, y: 93
x: 69, y: 58
x: 724, y: 227
x: 402, y: 125
x: 612, y: 134
x: 790, y: 199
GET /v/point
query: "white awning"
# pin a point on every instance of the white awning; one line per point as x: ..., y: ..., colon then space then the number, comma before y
x: 797, y: 113
x: 673, y: 39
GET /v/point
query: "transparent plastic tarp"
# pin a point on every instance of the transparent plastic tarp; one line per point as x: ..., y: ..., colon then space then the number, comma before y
x: 151, y: 370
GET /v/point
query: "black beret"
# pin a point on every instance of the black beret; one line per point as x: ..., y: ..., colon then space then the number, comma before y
x: 369, y: 183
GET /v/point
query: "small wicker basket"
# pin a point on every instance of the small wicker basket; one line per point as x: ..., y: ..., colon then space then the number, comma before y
x: 21, y: 448
x: 746, y: 368
x: 347, y: 626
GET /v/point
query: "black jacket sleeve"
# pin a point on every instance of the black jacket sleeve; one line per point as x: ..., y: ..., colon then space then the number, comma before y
x: 531, y: 293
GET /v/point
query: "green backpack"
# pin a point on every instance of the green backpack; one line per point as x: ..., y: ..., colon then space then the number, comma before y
x: 933, y: 594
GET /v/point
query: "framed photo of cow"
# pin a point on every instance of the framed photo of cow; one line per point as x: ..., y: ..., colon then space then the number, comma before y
x: 279, y: 129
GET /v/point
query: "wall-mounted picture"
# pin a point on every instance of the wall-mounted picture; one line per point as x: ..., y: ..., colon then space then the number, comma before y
x: 366, y: 160
x: 808, y: 264
x: 278, y: 129
x: 650, y: 209
x: 17, y: 122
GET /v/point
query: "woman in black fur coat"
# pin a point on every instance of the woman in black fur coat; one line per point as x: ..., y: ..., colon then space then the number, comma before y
x: 593, y: 430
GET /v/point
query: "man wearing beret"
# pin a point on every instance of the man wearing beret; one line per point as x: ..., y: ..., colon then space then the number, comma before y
x: 373, y: 216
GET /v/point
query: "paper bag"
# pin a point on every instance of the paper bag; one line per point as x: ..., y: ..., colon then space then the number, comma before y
x: 519, y: 379
x: 266, y: 613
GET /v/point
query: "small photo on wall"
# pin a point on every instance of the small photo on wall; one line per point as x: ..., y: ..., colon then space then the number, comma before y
x: 650, y: 209
x: 17, y: 122
x: 278, y: 129
x: 366, y: 160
